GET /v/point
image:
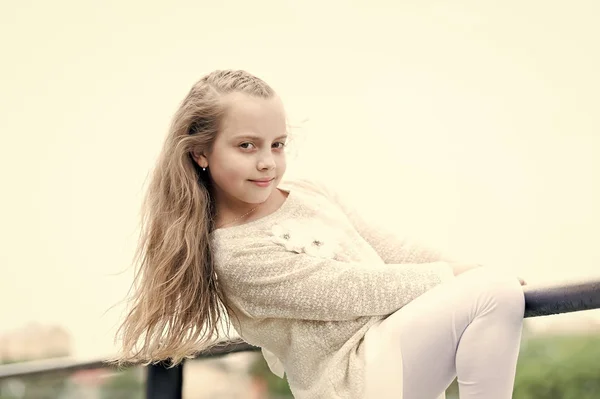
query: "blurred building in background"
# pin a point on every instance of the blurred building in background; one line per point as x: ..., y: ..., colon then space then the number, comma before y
x: 226, y: 377
x: 34, y: 341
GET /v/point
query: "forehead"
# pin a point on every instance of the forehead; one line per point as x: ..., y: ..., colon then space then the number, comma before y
x: 248, y: 114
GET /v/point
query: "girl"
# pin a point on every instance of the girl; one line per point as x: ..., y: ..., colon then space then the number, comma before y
x: 344, y: 309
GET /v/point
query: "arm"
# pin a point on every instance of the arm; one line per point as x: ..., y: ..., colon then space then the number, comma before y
x: 389, y: 246
x: 266, y: 281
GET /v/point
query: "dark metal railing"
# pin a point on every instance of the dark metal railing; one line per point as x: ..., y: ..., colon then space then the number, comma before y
x: 166, y: 383
x: 68, y: 364
x: 562, y: 297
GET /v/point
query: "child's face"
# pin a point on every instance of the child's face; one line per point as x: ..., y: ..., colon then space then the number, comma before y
x: 236, y: 160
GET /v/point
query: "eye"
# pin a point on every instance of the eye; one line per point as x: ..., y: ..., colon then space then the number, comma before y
x: 242, y: 145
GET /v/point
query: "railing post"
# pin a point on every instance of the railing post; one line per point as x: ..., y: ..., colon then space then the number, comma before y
x: 167, y: 383
x: 163, y: 382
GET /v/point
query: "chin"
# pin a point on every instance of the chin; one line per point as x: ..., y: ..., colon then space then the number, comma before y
x: 262, y: 197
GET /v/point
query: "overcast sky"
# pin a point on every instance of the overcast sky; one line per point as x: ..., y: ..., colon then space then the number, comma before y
x: 471, y: 125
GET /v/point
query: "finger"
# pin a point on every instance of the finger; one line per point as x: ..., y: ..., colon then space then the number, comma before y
x: 523, y: 282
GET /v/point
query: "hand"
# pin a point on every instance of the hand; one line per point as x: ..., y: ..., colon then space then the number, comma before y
x: 459, y: 268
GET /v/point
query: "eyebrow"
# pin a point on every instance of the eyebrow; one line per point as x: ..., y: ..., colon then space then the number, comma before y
x: 252, y: 137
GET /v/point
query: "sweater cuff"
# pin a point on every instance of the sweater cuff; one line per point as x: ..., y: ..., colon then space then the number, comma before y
x: 444, y: 270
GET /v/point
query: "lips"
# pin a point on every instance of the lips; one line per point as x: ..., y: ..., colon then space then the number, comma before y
x: 263, y: 180
x: 262, y: 183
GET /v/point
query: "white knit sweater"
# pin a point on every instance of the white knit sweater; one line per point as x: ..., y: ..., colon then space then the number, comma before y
x: 307, y: 281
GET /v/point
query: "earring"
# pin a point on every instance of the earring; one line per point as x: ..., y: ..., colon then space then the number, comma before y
x: 204, y: 169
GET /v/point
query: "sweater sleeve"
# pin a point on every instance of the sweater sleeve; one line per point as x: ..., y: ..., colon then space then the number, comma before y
x: 391, y: 247
x: 267, y: 281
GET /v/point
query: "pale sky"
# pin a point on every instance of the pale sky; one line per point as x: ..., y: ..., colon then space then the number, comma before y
x: 471, y: 125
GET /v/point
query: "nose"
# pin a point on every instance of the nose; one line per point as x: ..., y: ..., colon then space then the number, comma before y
x: 266, y: 162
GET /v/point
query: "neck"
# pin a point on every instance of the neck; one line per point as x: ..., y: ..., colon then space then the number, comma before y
x: 228, y: 213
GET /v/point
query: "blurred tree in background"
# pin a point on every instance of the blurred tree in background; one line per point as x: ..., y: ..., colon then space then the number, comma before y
x: 51, y: 386
x: 559, y: 367
x: 277, y: 387
x: 124, y: 384
x: 127, y: 384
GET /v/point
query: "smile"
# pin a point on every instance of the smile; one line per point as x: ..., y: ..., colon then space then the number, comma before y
x: 262, y: 183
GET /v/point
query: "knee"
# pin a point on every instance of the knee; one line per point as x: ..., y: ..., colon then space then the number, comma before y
x: 502, y: 290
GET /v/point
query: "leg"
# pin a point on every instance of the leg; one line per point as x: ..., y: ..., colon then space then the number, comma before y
x: 470, y: 327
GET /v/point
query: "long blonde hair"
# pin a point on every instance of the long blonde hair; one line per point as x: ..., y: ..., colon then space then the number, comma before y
x: 177, y: 303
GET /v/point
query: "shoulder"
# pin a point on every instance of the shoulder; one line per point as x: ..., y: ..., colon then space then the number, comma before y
x: 310, y: 186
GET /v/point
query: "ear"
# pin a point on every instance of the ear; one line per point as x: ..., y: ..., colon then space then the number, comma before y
x: 200, y: 159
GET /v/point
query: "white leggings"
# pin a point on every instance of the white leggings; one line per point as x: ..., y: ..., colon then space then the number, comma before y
x: 468, y: 327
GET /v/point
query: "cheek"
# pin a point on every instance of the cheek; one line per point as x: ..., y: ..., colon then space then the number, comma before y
x: 231, y: 168
x: 281, y: 164
x: 230, y: 174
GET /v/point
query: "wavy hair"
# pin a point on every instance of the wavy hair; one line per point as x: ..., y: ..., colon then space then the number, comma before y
x: 177, y: 302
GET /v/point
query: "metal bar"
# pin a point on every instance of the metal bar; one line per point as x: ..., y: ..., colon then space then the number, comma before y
x: 564, y: 297
x: 36, y: 367
x: 226, y: 348
x: 45, y: 366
